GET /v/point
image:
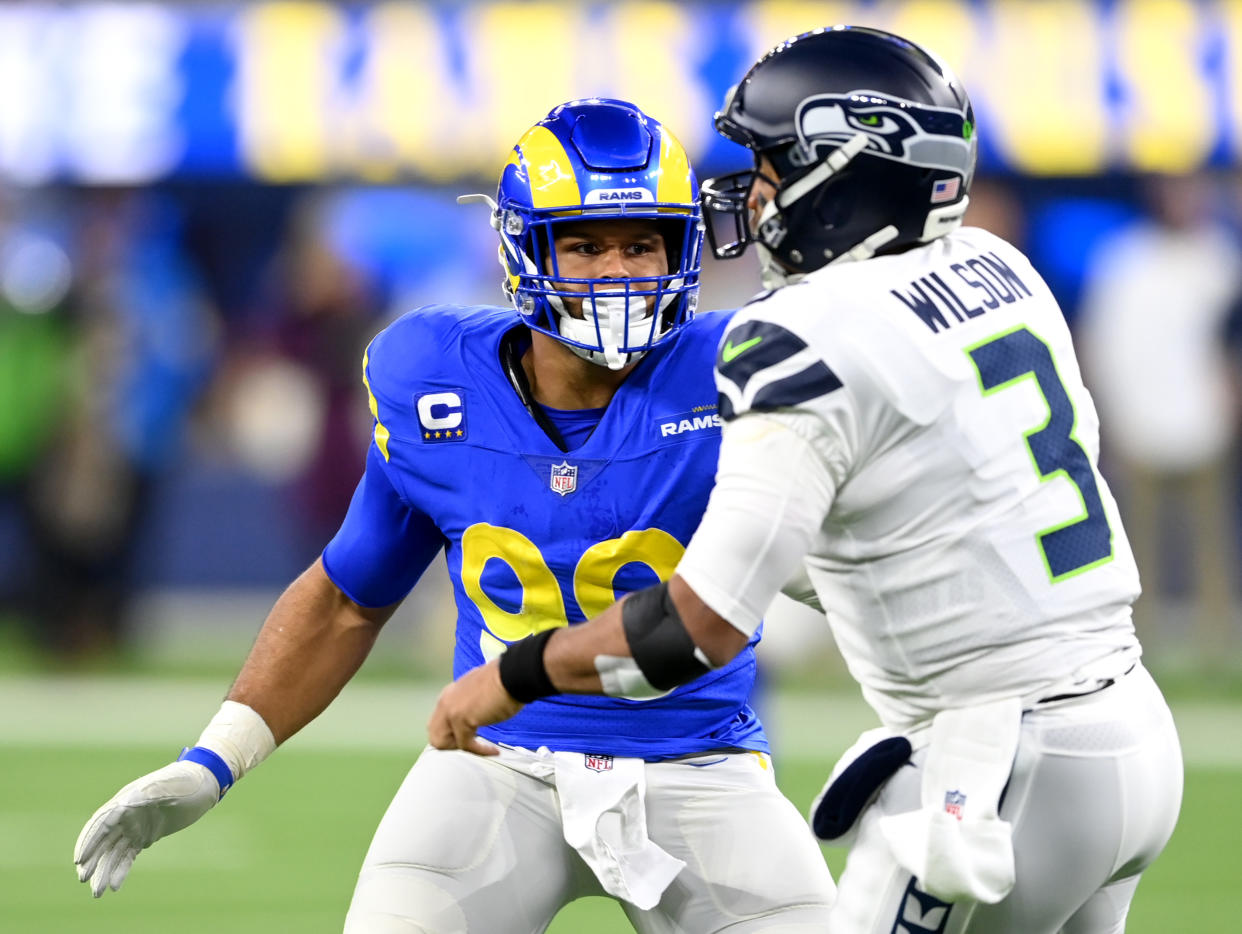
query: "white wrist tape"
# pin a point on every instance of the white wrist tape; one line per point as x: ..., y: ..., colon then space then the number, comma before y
x: 239, y: 736
x: 620, y: 676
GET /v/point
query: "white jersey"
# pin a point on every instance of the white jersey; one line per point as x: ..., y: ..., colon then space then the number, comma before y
x: 970, y: 549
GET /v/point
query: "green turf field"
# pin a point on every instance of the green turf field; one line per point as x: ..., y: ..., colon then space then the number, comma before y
x: 281, y: 853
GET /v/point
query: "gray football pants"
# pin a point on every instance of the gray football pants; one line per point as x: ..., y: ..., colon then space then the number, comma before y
x: 1093, y: 798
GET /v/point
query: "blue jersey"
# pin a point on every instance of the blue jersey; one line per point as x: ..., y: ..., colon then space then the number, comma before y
x: 536, y: 537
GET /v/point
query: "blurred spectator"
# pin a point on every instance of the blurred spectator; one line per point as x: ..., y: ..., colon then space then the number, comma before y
x: 295, y: 404
x: 1152, y: 332
x: 139, y: 350
x: 416, y: 245
x: 996, y: 208
x: 35, y: 348
x: 35, y: 275
x: 349, y: 259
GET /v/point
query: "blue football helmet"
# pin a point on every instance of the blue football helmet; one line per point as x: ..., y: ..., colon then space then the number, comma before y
x: 873, y: 143
x: 598, y: 159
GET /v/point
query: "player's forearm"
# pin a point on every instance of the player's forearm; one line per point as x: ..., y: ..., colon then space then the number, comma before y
x: 571, y: 656
x: 677, y: 636
x: 313, y: 641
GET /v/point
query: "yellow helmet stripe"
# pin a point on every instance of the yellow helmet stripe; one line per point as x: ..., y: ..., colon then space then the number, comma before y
x: 548, y: 169
x: 381, y: 433
x: 674, y: 181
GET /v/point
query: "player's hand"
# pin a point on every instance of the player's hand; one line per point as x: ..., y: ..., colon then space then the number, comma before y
x: 475, y: 699
x: 154, y: 806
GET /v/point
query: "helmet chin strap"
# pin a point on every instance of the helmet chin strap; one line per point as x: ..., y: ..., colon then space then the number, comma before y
x: 622, y: 320
x: 940, y: 221
x: 772, y: 271
x: 774, y: 275
x: 833, y: 163
x: 867, y: 247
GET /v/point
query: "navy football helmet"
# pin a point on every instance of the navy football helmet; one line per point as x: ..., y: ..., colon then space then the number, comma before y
x: 598, y: 159
x: 873, y: 143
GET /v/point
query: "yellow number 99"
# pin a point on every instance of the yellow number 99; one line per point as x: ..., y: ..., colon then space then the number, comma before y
x: 543, y: 604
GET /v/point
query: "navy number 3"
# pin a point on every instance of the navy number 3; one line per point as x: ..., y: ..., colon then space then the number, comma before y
x: 1085, y: 540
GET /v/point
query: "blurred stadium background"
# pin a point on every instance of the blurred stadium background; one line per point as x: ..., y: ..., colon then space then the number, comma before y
x: 207, y: 209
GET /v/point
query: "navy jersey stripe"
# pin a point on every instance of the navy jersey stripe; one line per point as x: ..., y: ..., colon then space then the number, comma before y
x: 754, y: 346
x: 815, y: 381
x: 811, y: 383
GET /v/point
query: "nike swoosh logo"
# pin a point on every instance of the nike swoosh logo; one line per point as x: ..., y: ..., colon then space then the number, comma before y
x: 729, y: 351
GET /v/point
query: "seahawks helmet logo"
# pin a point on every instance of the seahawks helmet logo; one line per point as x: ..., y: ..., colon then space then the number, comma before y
x: 897, y: 129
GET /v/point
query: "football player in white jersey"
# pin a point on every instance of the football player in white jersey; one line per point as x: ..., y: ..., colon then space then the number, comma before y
x: 909, y: 441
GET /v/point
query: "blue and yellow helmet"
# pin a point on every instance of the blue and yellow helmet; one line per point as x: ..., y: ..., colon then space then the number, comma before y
x: 596, y: 159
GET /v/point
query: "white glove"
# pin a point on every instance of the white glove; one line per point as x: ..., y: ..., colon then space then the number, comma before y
x: 154, y: 806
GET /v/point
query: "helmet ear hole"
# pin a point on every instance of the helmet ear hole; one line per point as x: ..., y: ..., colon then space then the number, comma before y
x: 835, y: 202
x: 674, y: 234
x: 543, y: 245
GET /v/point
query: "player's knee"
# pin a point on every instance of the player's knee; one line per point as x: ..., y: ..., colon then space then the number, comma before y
x: 403, y: 901
x: 386, y: 924
x: 792, y: 921
x: 784, y: 867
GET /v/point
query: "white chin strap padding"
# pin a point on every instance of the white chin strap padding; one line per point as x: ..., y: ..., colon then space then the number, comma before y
x: 943, y: 220
x: 623, y: 322
x: 865, y: 249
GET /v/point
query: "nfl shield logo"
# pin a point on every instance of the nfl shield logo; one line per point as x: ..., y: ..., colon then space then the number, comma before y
x: 597, y: 763
x: 564, y: 477
x: 954, y: 801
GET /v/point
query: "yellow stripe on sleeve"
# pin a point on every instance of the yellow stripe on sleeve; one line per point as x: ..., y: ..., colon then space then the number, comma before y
x: 381, y: 433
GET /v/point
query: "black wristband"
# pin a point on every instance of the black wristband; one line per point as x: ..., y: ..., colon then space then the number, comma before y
x: 521, y: 668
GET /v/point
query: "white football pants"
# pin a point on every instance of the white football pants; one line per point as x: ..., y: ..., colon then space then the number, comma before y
x: 475, y: 844
x: 1093, y: 798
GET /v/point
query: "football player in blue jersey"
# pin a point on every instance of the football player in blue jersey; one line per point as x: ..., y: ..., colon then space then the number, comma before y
x: 560, y: 452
